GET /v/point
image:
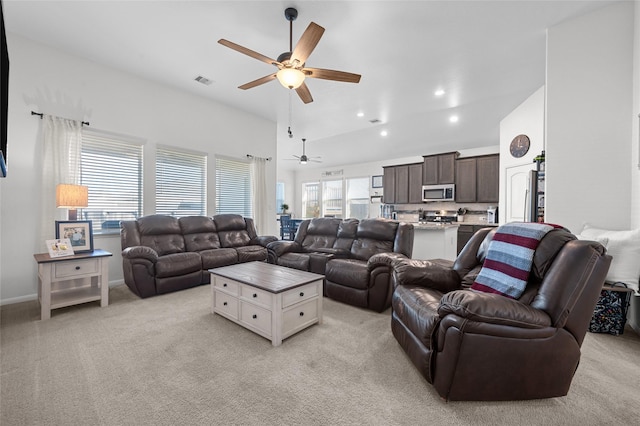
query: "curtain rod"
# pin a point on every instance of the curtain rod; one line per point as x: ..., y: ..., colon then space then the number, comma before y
x: 84, y: 123
x: 252, y: 156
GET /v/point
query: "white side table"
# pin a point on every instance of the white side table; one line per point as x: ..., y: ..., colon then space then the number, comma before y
x: 71, y: 280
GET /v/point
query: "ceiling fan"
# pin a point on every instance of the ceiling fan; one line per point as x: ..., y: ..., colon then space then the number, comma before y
x: 304, y: 159
x: 291, y: 70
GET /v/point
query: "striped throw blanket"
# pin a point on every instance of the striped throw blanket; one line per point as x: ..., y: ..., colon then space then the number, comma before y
x: 509, y: 258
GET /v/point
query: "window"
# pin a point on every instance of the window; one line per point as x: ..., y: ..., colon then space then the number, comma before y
x: 311, y: 199
x: 279, y: 196
x: 111, y: 166
x: 233, y: 187
x: 357, y: 201
x: 181, y: 182
x: 332, y: 198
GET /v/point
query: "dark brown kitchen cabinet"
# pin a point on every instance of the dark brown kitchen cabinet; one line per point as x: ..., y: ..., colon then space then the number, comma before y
x: 465, y: 232
x: 389, y: 184
x: 402, y: 184
x: 415, y: 183
x: 466, y: 180
x: 488, y: 173
x: 439, y: 169
x: 477, y: 179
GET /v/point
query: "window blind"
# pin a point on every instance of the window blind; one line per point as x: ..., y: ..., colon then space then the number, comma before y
x: 181, y: 182
x: 233, y: 187
x: 112, y: 169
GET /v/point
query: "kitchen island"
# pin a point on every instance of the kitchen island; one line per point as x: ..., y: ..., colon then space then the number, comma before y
x: 435, y: 241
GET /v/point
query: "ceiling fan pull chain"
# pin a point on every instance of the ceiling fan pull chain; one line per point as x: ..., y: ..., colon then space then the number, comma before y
x: 290, y: 115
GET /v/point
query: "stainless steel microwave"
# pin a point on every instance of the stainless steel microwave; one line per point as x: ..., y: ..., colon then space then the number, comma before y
x: 439, y: 192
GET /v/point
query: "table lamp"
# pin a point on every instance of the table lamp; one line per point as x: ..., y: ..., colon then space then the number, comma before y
x: 72, y: 197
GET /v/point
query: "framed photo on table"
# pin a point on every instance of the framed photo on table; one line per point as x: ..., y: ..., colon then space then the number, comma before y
x: 79, y: 232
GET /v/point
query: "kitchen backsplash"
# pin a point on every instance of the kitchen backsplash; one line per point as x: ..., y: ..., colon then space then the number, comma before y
x: 475, y: 212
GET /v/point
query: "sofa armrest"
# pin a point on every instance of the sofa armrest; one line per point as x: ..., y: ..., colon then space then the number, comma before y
x: 492, y: 309
x: 143, y: 252
x: 281, y: 247
x: 263, y: 240
x: 426, y: 273
x: 385, y: 259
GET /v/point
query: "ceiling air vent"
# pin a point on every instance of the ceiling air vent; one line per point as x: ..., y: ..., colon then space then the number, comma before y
x: 203, y: 80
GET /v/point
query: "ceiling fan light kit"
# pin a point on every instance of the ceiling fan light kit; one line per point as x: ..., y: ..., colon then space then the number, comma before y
x: 291, y: 65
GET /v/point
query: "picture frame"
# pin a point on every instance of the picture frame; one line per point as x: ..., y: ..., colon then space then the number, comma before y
x: 79, y: 232
x: 376, y: 181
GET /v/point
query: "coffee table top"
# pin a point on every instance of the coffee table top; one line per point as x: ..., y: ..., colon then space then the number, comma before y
x: 265, y: 276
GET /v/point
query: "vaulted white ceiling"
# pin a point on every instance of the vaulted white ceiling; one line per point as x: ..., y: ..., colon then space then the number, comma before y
x: 488, y: 57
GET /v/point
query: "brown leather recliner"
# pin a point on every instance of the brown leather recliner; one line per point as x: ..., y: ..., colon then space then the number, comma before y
x: 480, y: 346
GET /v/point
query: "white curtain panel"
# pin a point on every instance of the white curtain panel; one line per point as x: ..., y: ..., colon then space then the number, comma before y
x: 259, y: 193
x: 61, y: 149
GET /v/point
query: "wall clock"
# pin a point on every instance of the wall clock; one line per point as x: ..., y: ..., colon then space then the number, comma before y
x: 520, y: 146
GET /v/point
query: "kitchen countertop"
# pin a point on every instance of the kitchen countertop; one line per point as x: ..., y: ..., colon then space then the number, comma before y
x: 434, y: 225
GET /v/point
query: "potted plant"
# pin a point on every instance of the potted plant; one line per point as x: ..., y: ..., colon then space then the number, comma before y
x: 284, y: 207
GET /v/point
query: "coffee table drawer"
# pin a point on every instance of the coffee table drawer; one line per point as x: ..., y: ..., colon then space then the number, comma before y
x: 256, y: 317
x: 300, y: 317
x: 226, y: 304
x: 299, y: 294
x: 226, y: 285
x: 76, y: 268
x: 256, y: 296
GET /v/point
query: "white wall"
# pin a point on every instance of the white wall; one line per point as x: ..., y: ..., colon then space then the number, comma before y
x: 527, y: 119
x: 588, y: 119
x: 53, y: 82
x: 635, y: 126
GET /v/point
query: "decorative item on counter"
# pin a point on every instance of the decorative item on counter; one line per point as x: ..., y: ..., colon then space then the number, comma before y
x: 461, y: 212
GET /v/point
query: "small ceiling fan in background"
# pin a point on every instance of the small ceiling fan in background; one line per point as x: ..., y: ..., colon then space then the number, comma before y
x: 304, y: 159
x: 291, y: 70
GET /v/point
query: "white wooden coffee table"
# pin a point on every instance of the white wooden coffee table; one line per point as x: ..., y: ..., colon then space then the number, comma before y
x: 270, y: 300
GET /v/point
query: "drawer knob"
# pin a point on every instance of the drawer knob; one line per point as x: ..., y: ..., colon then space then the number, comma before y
x: 77, y: 268
x: 224, y: 285
x: 302, y: 294
x: 255, y: 316
x: 225, y: 303
x: 255, y: 295
x: 301, y: 314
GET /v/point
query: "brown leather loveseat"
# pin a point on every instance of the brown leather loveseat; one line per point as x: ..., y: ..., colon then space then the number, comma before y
x: 474, y: 345
x: 161, y: 254
x: 350, y: 254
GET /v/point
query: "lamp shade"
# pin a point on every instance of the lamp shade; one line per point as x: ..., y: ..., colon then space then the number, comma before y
x: 290, y: 78
x: 72, y: 196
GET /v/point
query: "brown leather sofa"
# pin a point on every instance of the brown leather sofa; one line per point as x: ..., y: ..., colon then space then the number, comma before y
x: 161, y: 254
x: 352, y: 254
x: 479, y: 346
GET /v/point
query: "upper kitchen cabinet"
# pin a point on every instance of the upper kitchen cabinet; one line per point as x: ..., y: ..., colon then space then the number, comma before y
x: 477, y: 179
x: 439, y: 169
x: 402, y: 184
x: 389, y: 184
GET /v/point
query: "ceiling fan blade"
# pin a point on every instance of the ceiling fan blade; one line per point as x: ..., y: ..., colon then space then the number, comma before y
x: 247, y: 52
x: 258, y: 82
x: 307, y: 43
x: 304, y: 93
x: 324, y: 74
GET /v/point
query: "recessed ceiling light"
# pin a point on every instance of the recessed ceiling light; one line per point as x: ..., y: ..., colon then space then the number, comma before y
x: 360, y: 114
x: 383, y: 133
x: 439, y: 92
x: 453, y: 119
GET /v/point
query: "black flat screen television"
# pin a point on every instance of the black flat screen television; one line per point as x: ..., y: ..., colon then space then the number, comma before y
x: 4, y: 107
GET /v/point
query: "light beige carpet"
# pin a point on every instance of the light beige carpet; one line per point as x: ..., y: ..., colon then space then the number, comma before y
x: 168, y: 361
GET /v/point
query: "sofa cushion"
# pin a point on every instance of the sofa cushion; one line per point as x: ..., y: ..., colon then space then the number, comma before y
x: 215, y: 258
x: 417, y: 309
x: 373, y: 236
x: 348, y: 272
x: 161, y: 233
x: 199, y: 233
x: 321, y: 233
x: 251, y: 253
x: 175, y: 264
x: 346, y: 234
